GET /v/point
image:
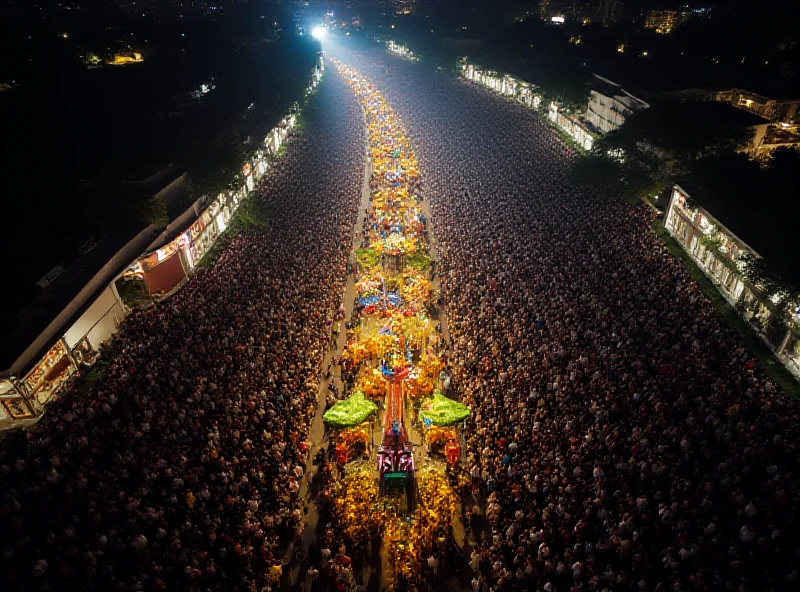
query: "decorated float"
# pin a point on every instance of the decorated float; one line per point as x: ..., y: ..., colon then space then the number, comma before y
x: 439, y: 416
x: 390, y: 357
x: 352, y: 433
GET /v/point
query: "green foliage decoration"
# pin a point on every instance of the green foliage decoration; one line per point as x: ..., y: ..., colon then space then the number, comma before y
x: 442, y: 411
x: 368, y: 257
x: 419, y: 261
x: 351, y: 412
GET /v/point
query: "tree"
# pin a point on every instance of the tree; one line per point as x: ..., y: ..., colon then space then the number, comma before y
x: 681, y: 132
x: 212, y: 168
x: 627, y: 178
x: 154, y: 211
x: 768, y: 280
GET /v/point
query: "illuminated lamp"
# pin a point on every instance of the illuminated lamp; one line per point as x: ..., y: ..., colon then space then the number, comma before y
x: 319, y: 33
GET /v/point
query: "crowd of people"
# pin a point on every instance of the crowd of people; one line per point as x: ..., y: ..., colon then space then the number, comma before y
x: 622, y: 438
x: 179, y: 469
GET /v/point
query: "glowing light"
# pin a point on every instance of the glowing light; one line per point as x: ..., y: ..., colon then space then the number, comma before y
x: 558, y: 19
x: 319, y: 33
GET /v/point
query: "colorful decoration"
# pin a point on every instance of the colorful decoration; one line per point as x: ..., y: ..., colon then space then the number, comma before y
x: 390, y: 355
x: 439, y: 436
x: 356, y: 506
x: 423, y: 380
x: 408, y: 539
x: 360, y: 434
x: 442, y: 411
x: 350, y: 412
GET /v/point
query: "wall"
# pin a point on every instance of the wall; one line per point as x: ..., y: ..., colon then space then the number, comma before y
x: 100, y: 321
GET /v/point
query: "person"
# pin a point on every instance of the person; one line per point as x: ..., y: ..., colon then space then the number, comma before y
x: 311, y: 576
x: 594, y: 349
x: 433, y: 566
x: 475, y: 561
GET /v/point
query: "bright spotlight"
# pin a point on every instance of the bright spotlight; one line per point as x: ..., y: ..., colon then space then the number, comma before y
x: 319, y: 33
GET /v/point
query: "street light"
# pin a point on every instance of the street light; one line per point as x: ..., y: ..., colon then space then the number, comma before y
x: 319, y: 33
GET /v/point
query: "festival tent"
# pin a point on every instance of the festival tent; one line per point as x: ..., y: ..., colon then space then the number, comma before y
x: 351, y: 412
x: 442, y: 411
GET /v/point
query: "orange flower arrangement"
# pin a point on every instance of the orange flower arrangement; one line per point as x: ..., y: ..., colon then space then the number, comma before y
x: 372, y: 384
x: 357, y: 434
x: 439, y: 436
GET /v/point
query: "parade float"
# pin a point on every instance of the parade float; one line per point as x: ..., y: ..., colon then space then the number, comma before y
x: 348, y: 419
x: 439, y: 417
x: 391, y: 356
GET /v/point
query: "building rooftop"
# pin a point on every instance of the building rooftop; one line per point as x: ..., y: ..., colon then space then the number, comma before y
x: 35, y: 309
x: 19, y: 331
x: 718, y: 115
x: 648, y: 78
x: 689, y: 127
x: 612, y: 89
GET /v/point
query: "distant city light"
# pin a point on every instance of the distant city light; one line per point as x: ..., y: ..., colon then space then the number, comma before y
x: 319, y: 32
x: 558, y: 19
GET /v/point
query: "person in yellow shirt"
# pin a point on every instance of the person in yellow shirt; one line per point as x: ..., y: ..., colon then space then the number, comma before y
x: 275, y: 572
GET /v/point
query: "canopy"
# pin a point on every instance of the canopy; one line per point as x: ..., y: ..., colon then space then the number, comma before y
x: 442, y: 411
x: 350, y: 412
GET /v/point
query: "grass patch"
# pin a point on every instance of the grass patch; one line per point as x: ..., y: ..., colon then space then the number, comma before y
x: 211, y: 257
x: 770, y: 365
x: 568, y: 140
x: 252, y: 214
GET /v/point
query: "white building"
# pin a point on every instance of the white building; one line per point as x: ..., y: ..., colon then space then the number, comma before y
x: 610, y: 105
x: 572, y: 126
x: 717, y: 252
x: 503, y: 84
